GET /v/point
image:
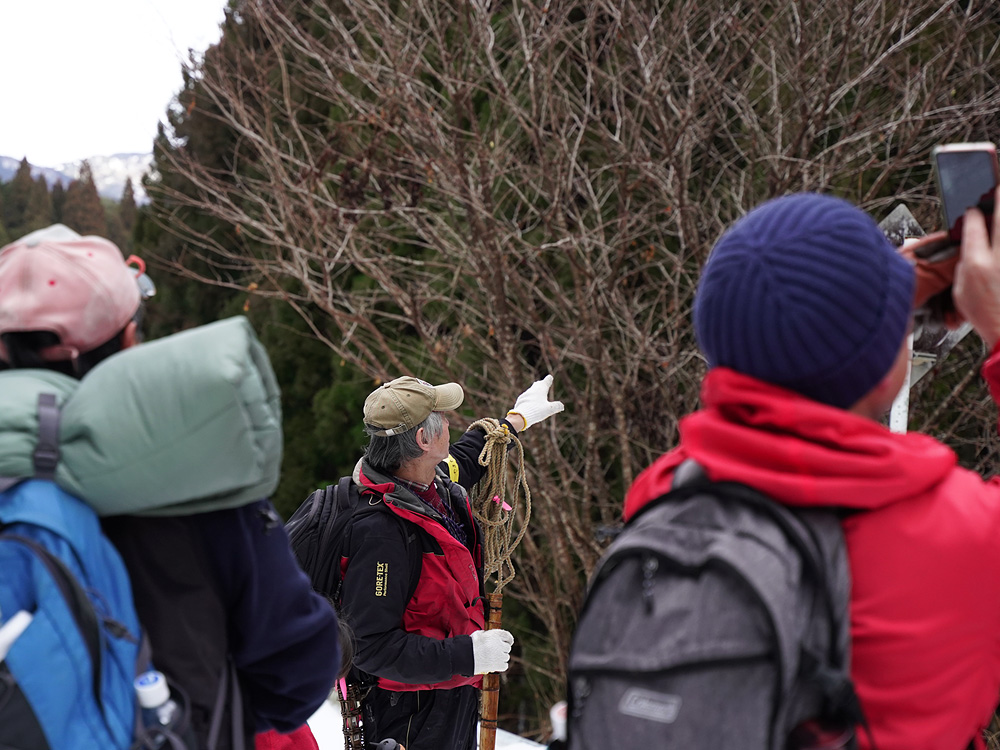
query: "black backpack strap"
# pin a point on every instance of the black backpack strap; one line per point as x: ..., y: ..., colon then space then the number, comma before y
x: 344, y: 493
x: 229, y: 692
x: 334, y: 493
x: 319, y: 552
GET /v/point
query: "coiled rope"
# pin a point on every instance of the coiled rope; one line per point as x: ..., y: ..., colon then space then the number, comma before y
x: 490, y: 495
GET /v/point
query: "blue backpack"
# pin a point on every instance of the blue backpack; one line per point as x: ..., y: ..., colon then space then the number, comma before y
x: 66, y: 681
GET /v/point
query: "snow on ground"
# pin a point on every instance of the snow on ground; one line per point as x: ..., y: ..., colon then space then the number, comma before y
x: 325, y: 725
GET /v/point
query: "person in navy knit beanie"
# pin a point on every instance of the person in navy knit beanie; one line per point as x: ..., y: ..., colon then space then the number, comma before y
x: 805, y: 292
x: 802, y: 313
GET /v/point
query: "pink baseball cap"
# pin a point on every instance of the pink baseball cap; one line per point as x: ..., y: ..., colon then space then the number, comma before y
x: 80, y: 288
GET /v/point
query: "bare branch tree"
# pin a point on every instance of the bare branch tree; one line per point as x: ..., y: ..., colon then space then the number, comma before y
x: 487, y: 191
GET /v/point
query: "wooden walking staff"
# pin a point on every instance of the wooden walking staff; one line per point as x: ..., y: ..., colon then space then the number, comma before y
x: 491, y: 682
x: 497, y: 518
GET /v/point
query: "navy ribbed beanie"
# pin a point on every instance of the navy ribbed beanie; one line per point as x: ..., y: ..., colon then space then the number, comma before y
x: 805, y: 292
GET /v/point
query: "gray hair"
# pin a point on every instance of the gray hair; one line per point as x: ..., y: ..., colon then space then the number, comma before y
x: 387, y: 453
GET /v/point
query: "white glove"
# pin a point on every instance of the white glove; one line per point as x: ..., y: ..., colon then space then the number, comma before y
x: 557, y: 715
x: 533, y: 405
x: 491, y: 650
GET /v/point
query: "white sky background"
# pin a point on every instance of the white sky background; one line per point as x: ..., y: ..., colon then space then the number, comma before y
x: 82, y: 78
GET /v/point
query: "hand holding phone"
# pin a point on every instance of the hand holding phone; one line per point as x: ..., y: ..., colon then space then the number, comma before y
x: 967, y: 175
x: 977, y: 279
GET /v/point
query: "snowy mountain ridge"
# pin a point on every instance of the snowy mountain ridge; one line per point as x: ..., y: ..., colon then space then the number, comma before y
x: 110, y: 173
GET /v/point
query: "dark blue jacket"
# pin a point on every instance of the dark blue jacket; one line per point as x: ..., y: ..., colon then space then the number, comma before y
x: 226, y: 584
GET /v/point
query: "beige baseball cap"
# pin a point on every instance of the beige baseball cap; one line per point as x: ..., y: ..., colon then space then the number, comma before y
x: 403, y: 403
x: 79, y: 288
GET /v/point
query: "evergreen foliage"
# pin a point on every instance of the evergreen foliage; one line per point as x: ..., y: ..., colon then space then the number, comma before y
x: 58, y: 198
x: 38, y: 213
x: 127, y: 208
x: 114, y: 228
x: 82, y: 210
x: 28, y: 204
x: 322, y: 400
x: 17, y: 196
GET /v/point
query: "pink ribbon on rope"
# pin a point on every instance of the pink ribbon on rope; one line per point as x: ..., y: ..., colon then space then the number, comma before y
x: 505, y: 506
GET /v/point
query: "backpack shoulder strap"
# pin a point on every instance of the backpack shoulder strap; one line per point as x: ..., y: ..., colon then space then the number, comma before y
x: 76, y: 598
x: 332, y: 495
x: 46, y: 455
x: 327, y: 501
x: 817, y: 536
x: 229, y: 692
x: 347, y: 484
x: 690, y: 479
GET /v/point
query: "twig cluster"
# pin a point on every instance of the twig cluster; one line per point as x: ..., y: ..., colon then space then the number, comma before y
x: 487, y: 190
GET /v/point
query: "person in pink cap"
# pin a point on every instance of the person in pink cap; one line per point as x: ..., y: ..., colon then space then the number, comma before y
x: 67, y: 302
x: 212, y: 589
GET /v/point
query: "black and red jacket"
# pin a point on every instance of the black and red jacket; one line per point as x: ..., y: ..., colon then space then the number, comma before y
x: 411, y: 591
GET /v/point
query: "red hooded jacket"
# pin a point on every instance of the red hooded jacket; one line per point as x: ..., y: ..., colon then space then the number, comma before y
x: 924, y: 556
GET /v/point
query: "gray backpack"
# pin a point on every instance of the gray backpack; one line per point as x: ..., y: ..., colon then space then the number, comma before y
x: 717, y: 619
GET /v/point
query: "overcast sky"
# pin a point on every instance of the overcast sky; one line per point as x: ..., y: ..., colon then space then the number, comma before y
x: 81, y: 78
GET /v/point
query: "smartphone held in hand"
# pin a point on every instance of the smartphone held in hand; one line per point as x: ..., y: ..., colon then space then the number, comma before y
x: 967, y: 175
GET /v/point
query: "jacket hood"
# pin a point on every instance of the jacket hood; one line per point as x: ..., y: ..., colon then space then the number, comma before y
x: 798, y: 451
x: 393, y: 494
